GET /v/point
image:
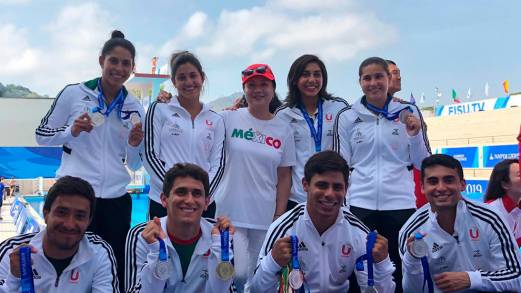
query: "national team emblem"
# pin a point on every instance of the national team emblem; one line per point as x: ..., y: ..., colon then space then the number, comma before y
x: 474, y: 234
x: 209, y: 123
x: 329, y: 117
x: 75, y: 276
x: 346, y: 250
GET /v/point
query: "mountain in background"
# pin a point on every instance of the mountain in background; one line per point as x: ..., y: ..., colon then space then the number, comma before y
x: 17, y: 91
x: 220, y: 103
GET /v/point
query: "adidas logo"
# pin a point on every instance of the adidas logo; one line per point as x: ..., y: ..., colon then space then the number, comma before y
x: 293, y: 120
x: 175, y: 115
x: 36, y: 276
x: 358, y: 120
x: 86, y: 98
x: 302, y: 246
x: 436, y: 247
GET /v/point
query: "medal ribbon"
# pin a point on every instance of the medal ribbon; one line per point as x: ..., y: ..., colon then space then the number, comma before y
x: 385, y: 111
x: 294, y: 252
x: 225, y: 245
x: 26, y: 272
x: 116, y: 103
x: 162, y: 250
x: 316, y: 134
x: 371, y: 240
x: 425, y: 266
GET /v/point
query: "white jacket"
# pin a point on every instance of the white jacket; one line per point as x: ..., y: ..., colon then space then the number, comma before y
x: 92, y: 269
x: 326, y: 260
x: 380, y: 154
x: 511, y: 213
x: 304, y: 142
x: 482, y: 246
x: 142, y: 257
x: 172, y: 137
x: 98, y: 156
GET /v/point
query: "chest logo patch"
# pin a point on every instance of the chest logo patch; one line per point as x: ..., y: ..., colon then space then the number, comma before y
x: 474, y: 234
x: 329, y: 117
x: 75, y: 276
x: 346, y: 250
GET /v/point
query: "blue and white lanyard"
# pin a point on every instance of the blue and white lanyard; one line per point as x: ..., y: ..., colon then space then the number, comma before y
x: 371, y: 240
x: 116, y: 103
x: 385, y: 111
x: 225, y: 245
x: 162, y: 250
x: 425, y: 266
x: 316, y: 134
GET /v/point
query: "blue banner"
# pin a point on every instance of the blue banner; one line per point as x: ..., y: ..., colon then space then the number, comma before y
x: 468, y: 156
x: 494, y: 154
x: 475, y: 189
x: 29, y: 162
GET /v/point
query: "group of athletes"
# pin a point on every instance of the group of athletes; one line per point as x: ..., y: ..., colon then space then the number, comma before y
x: 306, y: 195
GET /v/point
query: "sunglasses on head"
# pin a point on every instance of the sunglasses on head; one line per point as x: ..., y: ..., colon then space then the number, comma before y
x: 260, y: 70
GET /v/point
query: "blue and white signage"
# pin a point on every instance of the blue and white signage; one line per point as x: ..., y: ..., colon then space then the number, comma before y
x: 475, y: 189
x: 468, y: 156
x: 494, y: 154
x: 476, y: 106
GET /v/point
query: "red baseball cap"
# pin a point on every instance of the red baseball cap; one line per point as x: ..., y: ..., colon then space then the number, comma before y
x: 257, y: 70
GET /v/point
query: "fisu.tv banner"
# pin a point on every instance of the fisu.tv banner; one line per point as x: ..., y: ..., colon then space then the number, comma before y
x: 477, y: 106
x: 494, y: 154
x: 468, y: 156
x: 29, y: 162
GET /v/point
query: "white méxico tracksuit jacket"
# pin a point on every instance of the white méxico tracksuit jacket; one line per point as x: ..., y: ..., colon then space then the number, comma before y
x: 304, y: 142
x: 172, y: 137
x: 98, y: 156
x: 482, y: 246
x: 142, y: 257
x: 92, y: 269
x: 380, y: 154
x: 326, y: 260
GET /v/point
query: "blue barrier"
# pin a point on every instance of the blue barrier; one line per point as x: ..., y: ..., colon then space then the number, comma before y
x: 468, y: 156
x: 494, y: 154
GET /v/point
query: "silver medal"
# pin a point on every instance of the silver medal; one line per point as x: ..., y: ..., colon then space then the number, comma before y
x: 371, y: 289
x: 162, y: 270
x: 404, y: 114
x: 225, y: 270
x: 295, y: 279
x: 134, y: 118
x: 97, y: 118
x: 419, y: 248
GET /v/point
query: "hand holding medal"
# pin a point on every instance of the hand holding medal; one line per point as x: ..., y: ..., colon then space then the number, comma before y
x: 418, y: 248
x: 225, y: 270
x: 376, y: 251
x: 136, y: 134
x: 26, y: 272
x: 412, y: 124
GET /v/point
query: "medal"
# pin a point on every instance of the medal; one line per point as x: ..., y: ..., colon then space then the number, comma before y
x: 162, y: 269
x: 368, y: 256
x: 371, y: 289
x: 134, y: 118
x: 26, y: 272
x: 315, y: 133
x: 404, y: 114
x: 419, y: 247
x: 295, y: 277
x: 96, y: 119
x: 225, y: 269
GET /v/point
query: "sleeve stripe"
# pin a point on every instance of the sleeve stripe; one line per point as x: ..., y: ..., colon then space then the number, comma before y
x: 152, y: 159
x: 13, y: 242
x: 354, y: 221
x: 336, y: 136
x: 95, y: 239
x: 42, y: 129
x: 284, y: 226
x: 513, y: 269
x: 415, y: 223
x: 131, y: 279
x: 220, y: 171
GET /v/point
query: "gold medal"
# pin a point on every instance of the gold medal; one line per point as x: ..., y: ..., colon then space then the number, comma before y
x: 225, y: 270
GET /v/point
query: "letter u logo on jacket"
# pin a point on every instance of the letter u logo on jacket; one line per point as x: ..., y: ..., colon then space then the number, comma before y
x: 75, y: 276
x: 474, y: 234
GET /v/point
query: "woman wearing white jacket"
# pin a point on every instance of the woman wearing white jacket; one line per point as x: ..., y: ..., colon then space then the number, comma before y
x: 183, y: 130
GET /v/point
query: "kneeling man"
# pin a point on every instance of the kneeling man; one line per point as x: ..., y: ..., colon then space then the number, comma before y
x: 181, y: 252
x: 321, y: 240
x: 452, y: 244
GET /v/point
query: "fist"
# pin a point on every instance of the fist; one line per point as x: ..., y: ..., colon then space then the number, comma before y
x: 281, y: 251
x: 223, y: 223
x: 380, y: 250
x: 153, y: 231
x: 14, y: 260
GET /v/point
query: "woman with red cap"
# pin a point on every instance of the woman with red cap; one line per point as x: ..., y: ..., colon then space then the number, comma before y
x: 260, y: 152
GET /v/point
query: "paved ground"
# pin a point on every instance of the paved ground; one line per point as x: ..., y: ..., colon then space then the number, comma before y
x: 7, y: 227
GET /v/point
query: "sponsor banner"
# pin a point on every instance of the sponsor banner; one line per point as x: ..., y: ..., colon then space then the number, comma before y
x: 477, y: 106
x: 468, y: 156
x: 29, y: 162
x: 475, y: 190
x: 494, y: 154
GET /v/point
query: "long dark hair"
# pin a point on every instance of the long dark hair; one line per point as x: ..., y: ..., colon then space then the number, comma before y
x: 500, y: 174
x: 294, y: 97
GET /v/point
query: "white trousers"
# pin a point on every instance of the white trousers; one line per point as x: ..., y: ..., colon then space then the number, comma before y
x: 246, y: 247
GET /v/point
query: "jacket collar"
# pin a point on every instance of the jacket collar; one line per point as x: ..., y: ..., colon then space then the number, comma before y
x: 459, y: 222
x: 91, y: 86
x: 339, y: 218
x: 394, y: 106
x: 83, y: 255
x: 508, y: 203
x: 174, y: 102
x: 203, y: 244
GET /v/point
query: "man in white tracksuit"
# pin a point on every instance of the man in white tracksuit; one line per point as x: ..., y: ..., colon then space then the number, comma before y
x: 64, y: 257
x: 192, y: 244
x: 469, y: 246
x: 330, y: 238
